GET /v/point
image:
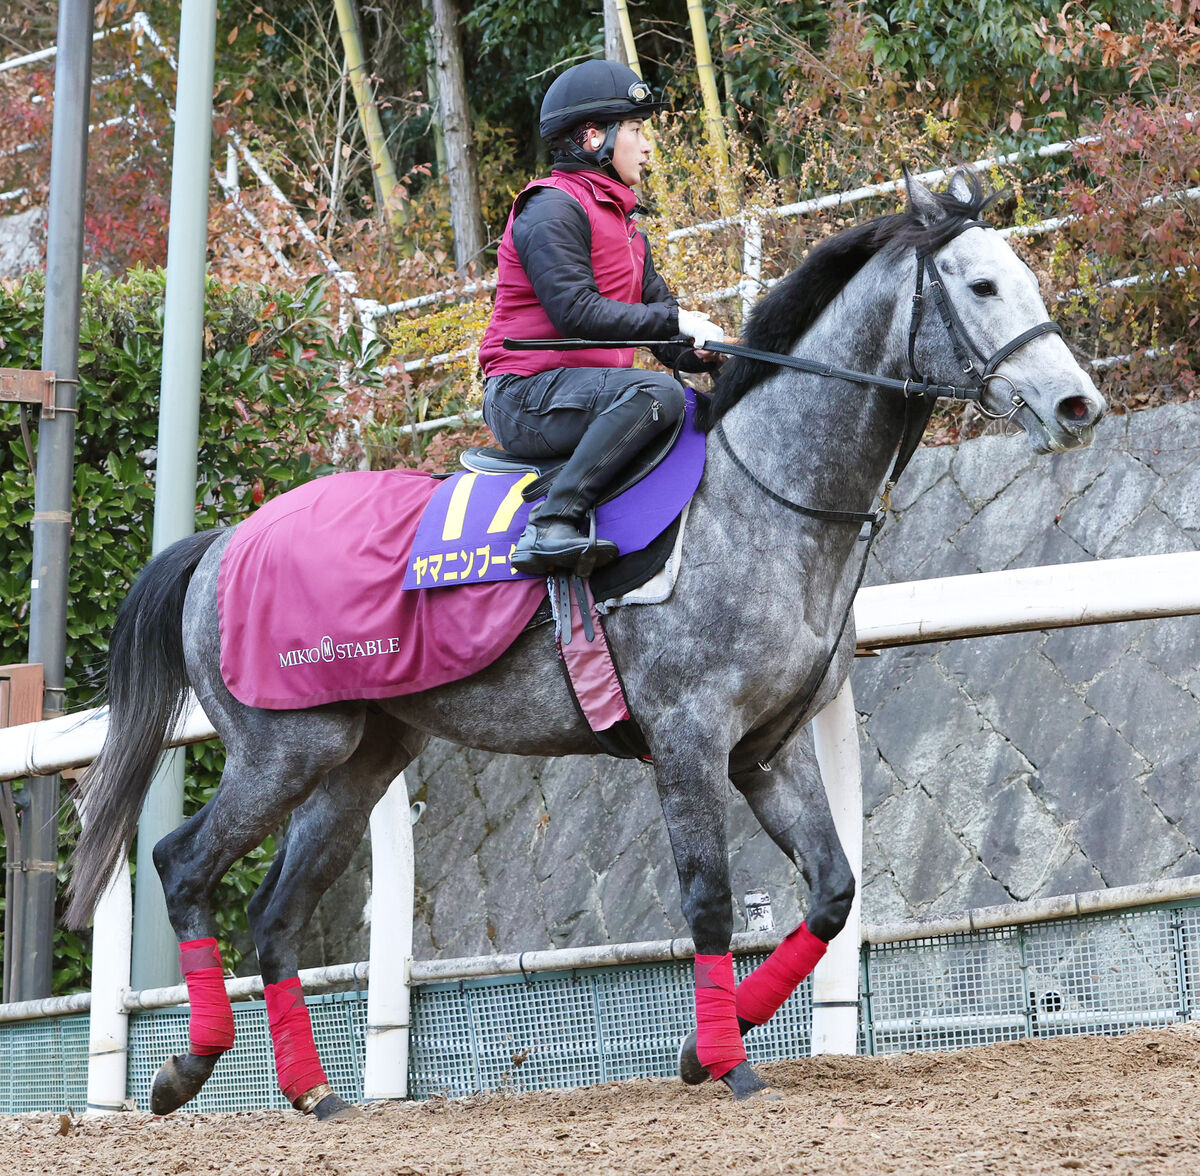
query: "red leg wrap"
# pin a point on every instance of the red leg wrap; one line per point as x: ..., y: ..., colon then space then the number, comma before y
x: 210, y: 1025
x: 775, y: 979
x: 718, y: 1041
x: 296, y: 1060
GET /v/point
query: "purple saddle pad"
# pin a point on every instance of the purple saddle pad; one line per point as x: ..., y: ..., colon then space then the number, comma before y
x: 471, y: 525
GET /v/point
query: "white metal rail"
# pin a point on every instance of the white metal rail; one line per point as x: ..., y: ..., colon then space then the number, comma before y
x: 914, y: 612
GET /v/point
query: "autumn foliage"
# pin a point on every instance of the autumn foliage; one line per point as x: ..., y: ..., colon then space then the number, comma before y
x: 818, y: 99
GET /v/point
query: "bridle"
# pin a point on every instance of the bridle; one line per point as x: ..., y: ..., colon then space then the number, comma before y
x: 965, y: 350
x: 979, y: 369
x: 969, y: 358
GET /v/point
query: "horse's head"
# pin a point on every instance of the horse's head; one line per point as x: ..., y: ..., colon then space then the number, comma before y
x: 991, y: 302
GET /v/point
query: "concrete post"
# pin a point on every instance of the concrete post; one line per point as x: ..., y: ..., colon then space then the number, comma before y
x: 388, y: 998
x: 155, y: 962
x: 835, y: 980
x: 108, y: 1023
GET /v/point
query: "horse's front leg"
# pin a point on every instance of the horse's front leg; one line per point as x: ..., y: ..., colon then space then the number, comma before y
x: 692, y: 795
x: 792, y: 807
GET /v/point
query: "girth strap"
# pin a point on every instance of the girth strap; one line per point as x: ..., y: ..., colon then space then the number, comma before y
x: 591, y: 673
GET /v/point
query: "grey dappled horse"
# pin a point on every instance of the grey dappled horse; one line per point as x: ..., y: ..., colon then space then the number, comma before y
x: 716, y: 676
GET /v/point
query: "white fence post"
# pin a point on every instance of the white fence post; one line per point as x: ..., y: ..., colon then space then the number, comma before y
x: 108, y: 1024
x: 835, y: 981
x: 751, y: 283
x: 392, y: 879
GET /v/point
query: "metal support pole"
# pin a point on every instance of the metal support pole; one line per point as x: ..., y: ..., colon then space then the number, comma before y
x: 388, y: 998
x: 53, y: 495
x: 155, y: 962
x: 835, y: 980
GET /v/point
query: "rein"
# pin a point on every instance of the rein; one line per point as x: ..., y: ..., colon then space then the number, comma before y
x: 911, y: 387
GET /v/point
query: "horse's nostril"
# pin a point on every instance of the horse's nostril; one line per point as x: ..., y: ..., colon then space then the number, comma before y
x: 1074, y: 408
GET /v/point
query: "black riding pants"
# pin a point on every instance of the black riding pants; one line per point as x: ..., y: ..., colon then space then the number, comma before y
x: 547, y: 414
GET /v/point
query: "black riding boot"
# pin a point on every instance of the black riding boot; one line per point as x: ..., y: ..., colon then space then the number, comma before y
x: 557, y: 535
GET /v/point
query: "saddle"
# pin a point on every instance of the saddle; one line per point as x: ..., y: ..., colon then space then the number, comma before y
x: 483, y: 459
x: 312, y: 610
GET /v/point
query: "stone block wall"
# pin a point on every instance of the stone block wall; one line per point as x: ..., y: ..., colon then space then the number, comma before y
x: 994, y: 769
x: 20, y: 236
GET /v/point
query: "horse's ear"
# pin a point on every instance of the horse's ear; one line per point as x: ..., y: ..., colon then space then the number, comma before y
x: 922, y: 201
x: 960, y: 186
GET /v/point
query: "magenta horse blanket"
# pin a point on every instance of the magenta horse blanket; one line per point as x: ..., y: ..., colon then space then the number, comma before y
x: 312, y: 610
x: 311, y: 592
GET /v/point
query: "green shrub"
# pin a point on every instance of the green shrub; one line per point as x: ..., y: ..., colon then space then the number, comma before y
x: 270, y: 367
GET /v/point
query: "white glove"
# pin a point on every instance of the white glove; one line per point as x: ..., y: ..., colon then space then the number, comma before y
x: 699, y: 328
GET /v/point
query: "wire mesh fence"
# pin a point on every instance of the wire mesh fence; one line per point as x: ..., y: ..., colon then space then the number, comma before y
x: 1097, y: 974
x: 244, y: 1077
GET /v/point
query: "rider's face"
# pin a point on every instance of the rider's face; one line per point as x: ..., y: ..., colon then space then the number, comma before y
x: 631, y: 151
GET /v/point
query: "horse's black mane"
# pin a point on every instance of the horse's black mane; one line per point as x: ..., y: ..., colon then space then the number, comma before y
x: 784, y: 315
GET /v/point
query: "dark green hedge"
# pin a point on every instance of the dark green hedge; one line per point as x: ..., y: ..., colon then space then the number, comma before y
x: 270, y: 368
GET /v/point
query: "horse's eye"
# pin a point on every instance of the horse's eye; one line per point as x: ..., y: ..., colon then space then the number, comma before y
x: 984, y: 288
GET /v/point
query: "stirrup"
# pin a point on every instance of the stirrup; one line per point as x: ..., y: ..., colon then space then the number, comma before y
x: 579, y: 554
x: 597, y: 553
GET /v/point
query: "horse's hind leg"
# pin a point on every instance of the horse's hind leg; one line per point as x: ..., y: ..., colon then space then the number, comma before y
x: 790, y: 804
x: 268, y: 771
x: 323, y: 834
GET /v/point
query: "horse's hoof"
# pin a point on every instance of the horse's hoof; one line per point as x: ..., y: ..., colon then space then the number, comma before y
x: 179, y: 1079
x: 332, y: 1109
x: 326, y: 1105
x: 745, y: 1083
x: 690, y: 1069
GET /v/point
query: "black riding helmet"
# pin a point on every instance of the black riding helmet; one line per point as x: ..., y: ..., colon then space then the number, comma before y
x: 600, y: 92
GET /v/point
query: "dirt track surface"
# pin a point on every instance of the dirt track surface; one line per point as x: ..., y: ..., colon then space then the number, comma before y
x: 1120, y: 1105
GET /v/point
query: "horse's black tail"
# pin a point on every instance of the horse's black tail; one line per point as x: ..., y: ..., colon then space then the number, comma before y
x: 146, y: 689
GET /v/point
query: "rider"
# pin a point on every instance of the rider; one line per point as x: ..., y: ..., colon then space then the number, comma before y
x: 573, y: 263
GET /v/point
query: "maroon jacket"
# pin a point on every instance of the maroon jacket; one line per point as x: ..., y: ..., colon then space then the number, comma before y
x: 596, y: 280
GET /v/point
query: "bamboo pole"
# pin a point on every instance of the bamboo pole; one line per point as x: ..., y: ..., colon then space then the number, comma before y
x: 631, y: 54
x: 714, y: 127
x: 368, y: 113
